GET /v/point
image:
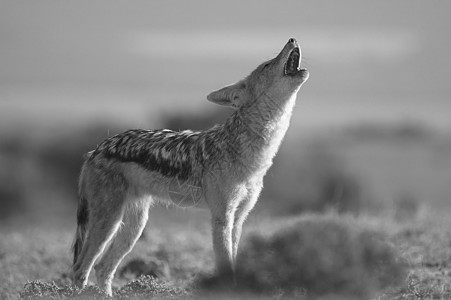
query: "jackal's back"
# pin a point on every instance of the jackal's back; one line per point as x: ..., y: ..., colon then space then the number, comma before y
x: 165, y: 151
x: 183, y: 155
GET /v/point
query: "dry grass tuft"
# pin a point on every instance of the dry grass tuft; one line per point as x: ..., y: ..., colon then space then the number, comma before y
x: 37, y: 289
x: 148, y: 286
x: 320, y: 254
x: 144, y: 287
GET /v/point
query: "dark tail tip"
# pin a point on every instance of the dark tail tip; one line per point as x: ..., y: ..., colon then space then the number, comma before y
x: 82, y: 222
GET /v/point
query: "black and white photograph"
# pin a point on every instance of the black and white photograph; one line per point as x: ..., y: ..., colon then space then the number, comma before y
x: 233, y: 149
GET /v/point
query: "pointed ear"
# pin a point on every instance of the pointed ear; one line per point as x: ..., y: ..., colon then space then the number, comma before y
x: 230, y: 95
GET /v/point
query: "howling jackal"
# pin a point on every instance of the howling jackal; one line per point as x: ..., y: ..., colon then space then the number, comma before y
x: 222, y: 167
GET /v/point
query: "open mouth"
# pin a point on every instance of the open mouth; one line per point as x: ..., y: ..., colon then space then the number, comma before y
x: 293, y: 64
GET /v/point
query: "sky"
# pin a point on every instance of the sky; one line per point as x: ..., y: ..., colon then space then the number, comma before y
x: 79, y: 61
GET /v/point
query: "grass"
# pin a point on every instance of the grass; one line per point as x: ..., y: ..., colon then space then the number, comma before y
x: 312, y: 256
x: 426, y: 246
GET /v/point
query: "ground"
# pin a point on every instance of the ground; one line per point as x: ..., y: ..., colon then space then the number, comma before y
x: 179, y: 255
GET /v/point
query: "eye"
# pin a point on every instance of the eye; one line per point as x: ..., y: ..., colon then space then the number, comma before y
x: 266, y: 65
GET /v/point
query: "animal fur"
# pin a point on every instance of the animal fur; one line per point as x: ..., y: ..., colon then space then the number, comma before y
x: 222, y: 167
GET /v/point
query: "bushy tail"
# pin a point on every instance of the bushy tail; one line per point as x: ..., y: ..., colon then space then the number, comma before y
x: 82, y: 222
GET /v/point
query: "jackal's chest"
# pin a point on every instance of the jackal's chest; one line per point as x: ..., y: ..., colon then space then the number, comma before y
x: 262, y: 153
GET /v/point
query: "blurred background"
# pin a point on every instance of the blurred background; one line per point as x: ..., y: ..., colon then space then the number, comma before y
x: 371, y: 131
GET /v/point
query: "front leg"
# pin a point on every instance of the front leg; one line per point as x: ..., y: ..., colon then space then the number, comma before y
x: 228, y: 217
x: 241, y: 214
x: 222, y: 225
x: 223, y: 203
x: 242, y: 211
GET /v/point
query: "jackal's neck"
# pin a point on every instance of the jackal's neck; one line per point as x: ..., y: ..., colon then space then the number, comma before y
x: 267, y: 118
x: 259, y: 127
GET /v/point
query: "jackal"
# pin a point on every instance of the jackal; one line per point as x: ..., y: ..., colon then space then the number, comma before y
x: 222, y: 166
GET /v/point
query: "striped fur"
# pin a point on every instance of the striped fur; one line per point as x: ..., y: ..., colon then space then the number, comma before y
x: 167, y: 152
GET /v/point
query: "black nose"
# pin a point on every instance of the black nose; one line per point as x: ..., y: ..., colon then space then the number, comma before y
x: 292, y: 40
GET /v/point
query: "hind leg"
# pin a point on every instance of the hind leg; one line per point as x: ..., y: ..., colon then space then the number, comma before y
x: 103, y: 224
x: 133, y: 223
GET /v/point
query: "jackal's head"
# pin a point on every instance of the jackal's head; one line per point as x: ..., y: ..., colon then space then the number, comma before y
x: 279, y: 78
